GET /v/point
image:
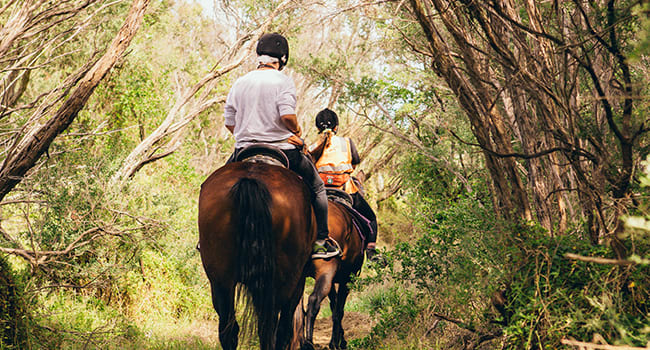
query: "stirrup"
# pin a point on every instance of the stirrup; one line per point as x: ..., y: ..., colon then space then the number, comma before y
x: 321, y: 252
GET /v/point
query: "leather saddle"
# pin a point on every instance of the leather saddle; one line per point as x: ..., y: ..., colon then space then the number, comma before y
x: 360, y: 221
x: 261, y: 153
x: 336, y: 195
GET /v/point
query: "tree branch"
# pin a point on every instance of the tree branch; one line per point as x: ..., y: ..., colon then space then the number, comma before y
x: 33, y: 145
x: 143, y: 153
x: 605, y: 261
x: 575, y: 151
x: 593, y: 346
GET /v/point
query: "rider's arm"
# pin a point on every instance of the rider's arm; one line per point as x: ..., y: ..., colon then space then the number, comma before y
x: 355, y: 155
x: 323, y: 142
x: 286, y: 103
x: 317, y: 151
x: 230, y: 112
x: 291, y: 122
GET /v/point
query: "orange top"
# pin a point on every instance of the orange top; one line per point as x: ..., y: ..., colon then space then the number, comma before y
x: 337, y: 157
x: 335, y: 165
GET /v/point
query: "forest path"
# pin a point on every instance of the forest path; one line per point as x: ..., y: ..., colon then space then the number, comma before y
x: 356, y: 325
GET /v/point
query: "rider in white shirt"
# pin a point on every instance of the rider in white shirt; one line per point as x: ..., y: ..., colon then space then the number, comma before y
x: 261, y: 108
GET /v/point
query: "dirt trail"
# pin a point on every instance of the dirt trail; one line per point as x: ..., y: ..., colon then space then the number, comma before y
x: 355, y: 324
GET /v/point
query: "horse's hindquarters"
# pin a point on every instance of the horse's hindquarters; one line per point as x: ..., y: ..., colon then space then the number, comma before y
x: 256, y: 228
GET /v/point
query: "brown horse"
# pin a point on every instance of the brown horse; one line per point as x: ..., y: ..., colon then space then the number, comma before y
x: 256, y: 230
x: 337, y: 270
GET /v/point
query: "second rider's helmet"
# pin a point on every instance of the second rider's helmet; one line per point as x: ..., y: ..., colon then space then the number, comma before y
x: 326, y: 119
x: 274, y: 45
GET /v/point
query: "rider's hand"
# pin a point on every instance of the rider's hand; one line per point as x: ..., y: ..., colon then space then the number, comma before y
x: 296, y: 140
x: 299, y: 132
x: 325, y: 137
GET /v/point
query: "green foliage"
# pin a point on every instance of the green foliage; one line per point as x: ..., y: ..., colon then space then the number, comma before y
x: 454, y: 262
x: 552, y: 297
x: 130, y: 287
x: 429, y: 181
x: 456, y: 251
x: 133, y: 100
x: 637, y: 233
x: 462, y: 258
x: 399, y: 99
x: 15, y: 319
x: 643, y: 33
x: 141, y: 284
x: 75, y: 319
x: 397, y: 309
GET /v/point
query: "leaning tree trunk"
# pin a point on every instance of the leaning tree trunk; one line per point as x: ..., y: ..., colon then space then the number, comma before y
x: 562, y: 78
x: 486, y: 121
x: 167, y: 137
x: 36, y: 141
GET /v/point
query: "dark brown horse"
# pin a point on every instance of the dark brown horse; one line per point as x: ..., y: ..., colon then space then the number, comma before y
x: 337, y: 270
x: 256, y: 230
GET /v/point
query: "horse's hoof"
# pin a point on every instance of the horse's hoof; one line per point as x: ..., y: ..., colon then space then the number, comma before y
x: 342, y: 345
x: 307, y: 345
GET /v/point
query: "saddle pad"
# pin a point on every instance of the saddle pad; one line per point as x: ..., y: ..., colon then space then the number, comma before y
x: 337, y: 195
x: 360, y: 222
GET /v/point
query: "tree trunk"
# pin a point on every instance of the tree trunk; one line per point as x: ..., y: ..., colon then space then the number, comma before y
x: 560, y: 76
x: 189, y: 106
x: 487, y: 123
x: 36, y: 142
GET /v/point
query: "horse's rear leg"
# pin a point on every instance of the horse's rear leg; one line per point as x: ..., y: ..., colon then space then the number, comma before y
x: 337, y: 304
x: 289, y: 329
x: 322, y: 288
x: 298, y: 338
x: 223, y: 302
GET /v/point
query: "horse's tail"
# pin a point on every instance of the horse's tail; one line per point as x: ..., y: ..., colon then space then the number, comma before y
x: 256, y: 249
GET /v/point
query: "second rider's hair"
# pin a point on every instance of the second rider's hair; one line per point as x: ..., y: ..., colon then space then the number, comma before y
x: 326, y: 119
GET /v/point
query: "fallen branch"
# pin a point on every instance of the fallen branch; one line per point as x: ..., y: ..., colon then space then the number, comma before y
x: 458, y: 323
x: 433, y: 326
x: 482, y: 338
x: 36, y: 257
x: 597, y: 260
x: 592, y: 346
x: 21, y: 201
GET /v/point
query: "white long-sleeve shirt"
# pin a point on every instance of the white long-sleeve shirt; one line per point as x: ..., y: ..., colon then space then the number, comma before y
x: 254, y: 106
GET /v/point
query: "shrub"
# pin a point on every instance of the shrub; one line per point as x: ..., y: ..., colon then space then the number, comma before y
x: 552, y: 297
x: 451, y: 266
x: 15, y: 322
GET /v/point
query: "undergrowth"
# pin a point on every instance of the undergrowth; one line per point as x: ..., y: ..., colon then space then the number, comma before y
x: 551, y: 297
x: 462, y: 278
x: 15, y: 320
x: 439, y: 290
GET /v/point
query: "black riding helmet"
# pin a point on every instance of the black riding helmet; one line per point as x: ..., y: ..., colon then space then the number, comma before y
x: 274, y: 45
x: 326, y: 119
